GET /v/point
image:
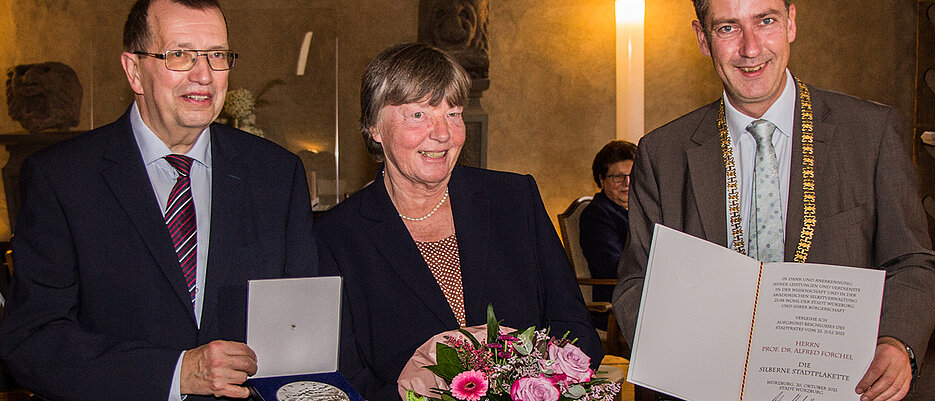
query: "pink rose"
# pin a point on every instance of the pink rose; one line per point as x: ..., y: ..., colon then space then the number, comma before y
x: 533, y: 389
x: 571, y: 361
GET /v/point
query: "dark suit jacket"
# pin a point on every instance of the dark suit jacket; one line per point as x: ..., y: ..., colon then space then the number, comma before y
x: 603, y: 230
x: 510, y: 258
x: 99, y: 309
x: 868, y: 209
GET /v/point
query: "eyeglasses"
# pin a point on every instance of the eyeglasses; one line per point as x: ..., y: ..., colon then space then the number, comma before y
x: 184, y: 60
x: 618, y: 177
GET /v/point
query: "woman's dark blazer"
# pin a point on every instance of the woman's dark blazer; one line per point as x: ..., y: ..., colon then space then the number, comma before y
x: 603, y: 228
x: 510, y: 255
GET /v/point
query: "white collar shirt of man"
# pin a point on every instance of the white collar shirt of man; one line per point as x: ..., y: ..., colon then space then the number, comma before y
x: 162, y: 176
x: 782, y: 114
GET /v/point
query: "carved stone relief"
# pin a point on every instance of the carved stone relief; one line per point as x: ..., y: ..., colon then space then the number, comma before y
x: 44, y: 96
x: 460, y: 28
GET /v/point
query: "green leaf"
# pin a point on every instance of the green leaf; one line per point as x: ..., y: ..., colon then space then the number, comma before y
x: 449, y: 365
x: 440, y: 393
x: 493, y: 327
x: 470, y: 337
x: 598, y: 380
x: 498, y: 397
x: 446, y: 397
x: 575, y: 392
x: 526, y: 337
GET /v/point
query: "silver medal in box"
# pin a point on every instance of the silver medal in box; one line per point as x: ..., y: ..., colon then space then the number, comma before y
x: 310, y: 391
x: 293, y: 325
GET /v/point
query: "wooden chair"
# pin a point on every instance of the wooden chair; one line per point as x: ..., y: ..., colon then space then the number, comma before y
x: 8, y: 257
x: 15, y: 395
x: 611, y: 339
x: 5, y: 274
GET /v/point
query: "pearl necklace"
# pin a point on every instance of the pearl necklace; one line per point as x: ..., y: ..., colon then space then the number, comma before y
x: 435, y: 209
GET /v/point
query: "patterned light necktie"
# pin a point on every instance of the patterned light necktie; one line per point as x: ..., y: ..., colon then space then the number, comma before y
x: 766, y: 237
x: 180, y: 219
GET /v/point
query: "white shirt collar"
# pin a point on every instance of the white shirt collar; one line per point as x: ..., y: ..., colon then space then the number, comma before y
x: 781, y: 113
x: 153, y: 149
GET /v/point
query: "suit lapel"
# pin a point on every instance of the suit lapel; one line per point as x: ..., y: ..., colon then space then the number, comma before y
x: 708, y: 182
x: 228, y: 213
x: 390, y: 237
x: 129, y: 182
x: 823, y: 134
x: 471, y: 210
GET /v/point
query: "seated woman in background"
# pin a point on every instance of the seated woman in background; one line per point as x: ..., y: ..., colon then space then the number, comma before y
x: 604, y: 223
x: 428, y: 245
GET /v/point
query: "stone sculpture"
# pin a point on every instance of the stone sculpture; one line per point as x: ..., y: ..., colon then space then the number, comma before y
x: 460, y: 28
x: 44, y: 96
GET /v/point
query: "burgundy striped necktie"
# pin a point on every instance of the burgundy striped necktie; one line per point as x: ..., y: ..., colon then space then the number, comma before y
x: 180, y: 219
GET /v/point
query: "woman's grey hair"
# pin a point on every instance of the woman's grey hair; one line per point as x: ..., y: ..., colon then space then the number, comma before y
x: 408, y: 73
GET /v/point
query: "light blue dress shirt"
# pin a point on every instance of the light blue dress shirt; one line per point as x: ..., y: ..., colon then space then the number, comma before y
x: 782, y: 114
x: 162, y: 176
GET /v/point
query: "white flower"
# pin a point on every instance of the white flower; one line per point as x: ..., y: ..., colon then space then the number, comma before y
x: 239, y: 104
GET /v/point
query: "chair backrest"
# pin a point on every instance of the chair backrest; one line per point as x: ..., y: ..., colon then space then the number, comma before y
x: 568, y: 224
x: 8, y: 258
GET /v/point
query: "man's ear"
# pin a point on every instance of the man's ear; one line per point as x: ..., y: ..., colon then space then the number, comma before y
x: 790, y: 31
x: 702, y: 38
x: 131, y: 66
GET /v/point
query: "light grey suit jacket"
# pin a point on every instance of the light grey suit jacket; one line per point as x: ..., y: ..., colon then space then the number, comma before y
x: 867, y: 208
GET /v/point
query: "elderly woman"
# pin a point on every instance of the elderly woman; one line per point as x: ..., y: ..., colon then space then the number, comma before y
x: 428, y: 245
x: 604, y: 223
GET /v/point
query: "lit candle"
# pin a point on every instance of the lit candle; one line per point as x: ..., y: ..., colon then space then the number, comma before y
x: 337, y: 131
x: 629, y: 69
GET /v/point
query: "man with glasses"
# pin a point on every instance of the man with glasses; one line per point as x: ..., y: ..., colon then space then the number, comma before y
x: 137, y: 239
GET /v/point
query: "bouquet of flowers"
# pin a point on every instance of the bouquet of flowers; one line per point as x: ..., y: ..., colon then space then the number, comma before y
x: 506, y: 365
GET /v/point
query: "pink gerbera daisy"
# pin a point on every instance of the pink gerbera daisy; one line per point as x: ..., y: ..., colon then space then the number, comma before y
x: 469, y: 386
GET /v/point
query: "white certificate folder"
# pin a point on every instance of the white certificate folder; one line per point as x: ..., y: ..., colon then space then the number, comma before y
x: 717, y: 325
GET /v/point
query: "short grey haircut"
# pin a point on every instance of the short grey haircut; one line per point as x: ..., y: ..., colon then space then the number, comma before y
x: 408, y: 73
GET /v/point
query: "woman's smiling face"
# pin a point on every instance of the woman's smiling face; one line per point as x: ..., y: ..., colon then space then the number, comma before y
x: 421, y: 142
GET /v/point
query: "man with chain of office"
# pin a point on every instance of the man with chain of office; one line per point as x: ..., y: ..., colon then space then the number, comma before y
x: 784, y: 171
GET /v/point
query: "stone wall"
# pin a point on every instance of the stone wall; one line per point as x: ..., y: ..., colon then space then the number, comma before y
x: 551, y: 100
x: 865, y: 48
x: 551, y: 96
